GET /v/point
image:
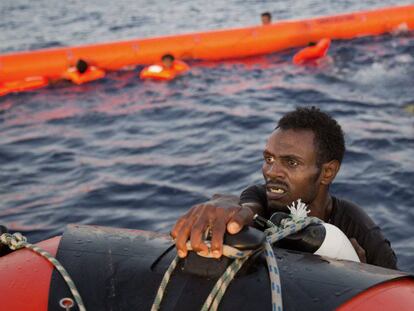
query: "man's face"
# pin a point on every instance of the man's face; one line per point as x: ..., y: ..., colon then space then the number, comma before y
x: 167, y: 62
x: 265, y: 20
x: 290, y: 168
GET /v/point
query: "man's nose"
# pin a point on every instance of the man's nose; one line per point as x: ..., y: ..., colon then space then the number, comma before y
x: 275, y: 170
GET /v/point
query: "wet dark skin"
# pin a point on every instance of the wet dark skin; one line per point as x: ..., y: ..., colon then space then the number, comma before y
x: 290, y: 171
x: 265, y: 20
x: 167, y: 62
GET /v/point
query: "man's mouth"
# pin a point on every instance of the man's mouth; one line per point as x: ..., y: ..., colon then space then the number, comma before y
x: 275, y: 191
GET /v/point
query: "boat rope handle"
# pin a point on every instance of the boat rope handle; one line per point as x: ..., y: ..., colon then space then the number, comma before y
x: 17, y: 241
x: 288, y: 226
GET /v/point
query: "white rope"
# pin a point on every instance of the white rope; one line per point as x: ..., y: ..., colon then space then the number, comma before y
x: 17, y: 240
x: 296, y: 222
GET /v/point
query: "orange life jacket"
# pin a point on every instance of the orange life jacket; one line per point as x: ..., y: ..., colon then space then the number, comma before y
x: 312, y: 52
x: 159, y: 72
x: 91, y: 74
x: 26, y: 84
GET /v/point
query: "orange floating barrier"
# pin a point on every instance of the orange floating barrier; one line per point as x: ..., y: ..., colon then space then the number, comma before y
x: 160, y: 72
x: 212, y: 45
x: 26, y: 84
x: 313, y: 52
x: 91, y: 74
x: 3, y: 91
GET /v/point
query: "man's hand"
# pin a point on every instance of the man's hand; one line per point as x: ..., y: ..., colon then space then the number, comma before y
x: 359, y: 250
x: 216, y: 215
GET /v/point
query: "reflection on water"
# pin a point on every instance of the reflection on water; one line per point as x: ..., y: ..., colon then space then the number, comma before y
x: 122, y: 153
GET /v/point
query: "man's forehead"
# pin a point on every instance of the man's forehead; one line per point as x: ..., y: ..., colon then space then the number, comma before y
x: 299, y: 140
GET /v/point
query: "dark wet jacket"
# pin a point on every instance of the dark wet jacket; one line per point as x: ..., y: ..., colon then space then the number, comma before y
x: 348, y: 217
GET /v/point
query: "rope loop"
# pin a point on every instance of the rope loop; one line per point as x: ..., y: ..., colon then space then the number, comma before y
x: 14, y: 241
x: 17, y: 241
x: 297, y: 221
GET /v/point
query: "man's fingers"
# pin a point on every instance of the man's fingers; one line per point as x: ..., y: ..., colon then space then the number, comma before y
x: 197, y: 220
x: 182, y: 238
x: 197, y: 233
x: 217, y: 234
x: 181, y: 241
x: 241, y: 217
x: 181, y: 222
x: 178, y: 226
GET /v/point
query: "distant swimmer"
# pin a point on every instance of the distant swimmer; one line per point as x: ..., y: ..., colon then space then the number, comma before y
x: 312, y: 52
x: 266, y: 18
x: 166, y: 70
x: 83, y: 72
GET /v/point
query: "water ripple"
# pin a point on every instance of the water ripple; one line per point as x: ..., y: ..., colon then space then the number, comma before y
x: 123, y: 153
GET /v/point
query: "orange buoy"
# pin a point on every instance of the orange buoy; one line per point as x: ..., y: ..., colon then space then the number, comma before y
x: 26, y: 84
x: 91, y: 74
x: 313, y: 52
x: 161, y: 72
x: 211, y: 45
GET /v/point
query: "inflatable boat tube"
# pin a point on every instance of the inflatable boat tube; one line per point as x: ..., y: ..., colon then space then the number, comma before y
x: 212, y: 45
x: 119, y: 269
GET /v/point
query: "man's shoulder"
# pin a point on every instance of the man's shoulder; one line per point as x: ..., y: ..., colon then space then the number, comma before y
x: 347, y: 211
x: 254, y: 194
x: 346, y: 206
x: 259, y: 189
x: 356, y: 223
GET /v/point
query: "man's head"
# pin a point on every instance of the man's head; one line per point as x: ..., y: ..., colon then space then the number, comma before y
x: 167, y: 60
x: 81, y: 66
x: 266, y: 18
x: 302, y: 157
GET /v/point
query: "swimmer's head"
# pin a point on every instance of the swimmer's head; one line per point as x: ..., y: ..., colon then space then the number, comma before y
x: 81, y: 66
x: 266, y: 18
x: 167, y: 60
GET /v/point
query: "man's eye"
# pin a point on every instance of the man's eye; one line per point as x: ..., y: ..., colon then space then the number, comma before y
x: 268, y: 159
x: 293, y: 163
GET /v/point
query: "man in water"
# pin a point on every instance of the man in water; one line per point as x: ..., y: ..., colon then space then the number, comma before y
x: 81, y: 66
x: 83, y: 72
x: 266, y: 18
x: 167, y: 60
x: 167, y: 69
x: 301, y: 159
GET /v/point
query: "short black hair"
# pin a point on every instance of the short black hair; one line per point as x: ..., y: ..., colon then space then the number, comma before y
x: 168, y: 56
x: 329, y: 137
x: 267, y: 14
x: 81, y: 65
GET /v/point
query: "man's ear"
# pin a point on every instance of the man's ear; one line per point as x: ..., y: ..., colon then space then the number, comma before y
x: 329, y: 171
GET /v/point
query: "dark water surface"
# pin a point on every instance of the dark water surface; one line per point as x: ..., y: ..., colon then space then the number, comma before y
x: 123, y: 153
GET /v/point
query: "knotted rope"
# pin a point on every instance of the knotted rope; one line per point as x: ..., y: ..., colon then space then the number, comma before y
x: 297, y: 221
x: 17, y: 240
